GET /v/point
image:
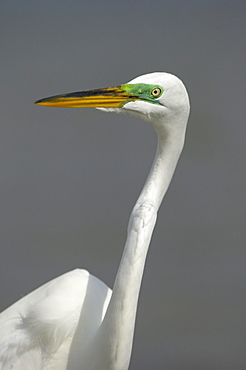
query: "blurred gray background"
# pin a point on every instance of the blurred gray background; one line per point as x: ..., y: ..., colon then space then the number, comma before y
x: 69, y: 178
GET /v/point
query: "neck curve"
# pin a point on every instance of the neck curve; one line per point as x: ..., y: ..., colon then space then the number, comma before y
x: 117, y: 329
x: 110, y: 349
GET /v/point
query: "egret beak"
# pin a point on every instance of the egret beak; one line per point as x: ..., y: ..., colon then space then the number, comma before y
x: 110, y: 97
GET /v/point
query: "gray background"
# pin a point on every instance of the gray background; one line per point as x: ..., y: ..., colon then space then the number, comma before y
x: 69, y: 178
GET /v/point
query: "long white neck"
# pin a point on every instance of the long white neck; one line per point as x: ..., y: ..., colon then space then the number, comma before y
x: 110, y: 349
x: 115, y: 335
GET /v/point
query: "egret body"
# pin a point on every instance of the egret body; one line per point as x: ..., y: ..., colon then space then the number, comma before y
x: 75, y: 321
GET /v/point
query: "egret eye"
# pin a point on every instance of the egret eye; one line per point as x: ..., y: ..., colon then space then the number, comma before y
x: 156, y: 92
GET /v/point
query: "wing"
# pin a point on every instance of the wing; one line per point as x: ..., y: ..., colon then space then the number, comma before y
x: 38, y: 329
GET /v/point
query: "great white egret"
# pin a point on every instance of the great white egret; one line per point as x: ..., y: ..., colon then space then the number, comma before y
x: 75, y: 321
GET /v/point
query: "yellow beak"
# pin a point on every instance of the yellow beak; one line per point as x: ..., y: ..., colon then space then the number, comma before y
x: 110, y: 97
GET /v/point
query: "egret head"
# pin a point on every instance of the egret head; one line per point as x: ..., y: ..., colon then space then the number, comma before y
x: 154, y: 97
x: 164, y: 96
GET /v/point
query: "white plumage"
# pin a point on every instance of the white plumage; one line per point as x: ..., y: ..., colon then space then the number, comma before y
x: 34, y: 328
x: 75, y: 321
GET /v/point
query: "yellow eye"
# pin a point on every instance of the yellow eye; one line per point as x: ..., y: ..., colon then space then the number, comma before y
x: 156, y: 92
